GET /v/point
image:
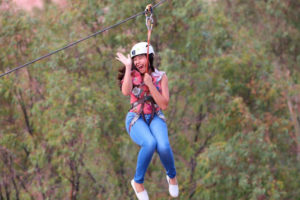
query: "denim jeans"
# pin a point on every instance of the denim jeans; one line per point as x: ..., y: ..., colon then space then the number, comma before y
x: 150, y: 138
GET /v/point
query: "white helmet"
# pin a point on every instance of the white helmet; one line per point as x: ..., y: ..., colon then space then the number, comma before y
x: 141, y: 48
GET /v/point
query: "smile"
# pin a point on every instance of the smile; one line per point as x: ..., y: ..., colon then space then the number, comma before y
x: 140, y: 67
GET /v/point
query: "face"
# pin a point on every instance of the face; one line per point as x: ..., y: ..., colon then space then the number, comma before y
x: 140, y: 61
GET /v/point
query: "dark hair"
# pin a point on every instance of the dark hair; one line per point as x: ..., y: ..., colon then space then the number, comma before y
x: 122, y: 69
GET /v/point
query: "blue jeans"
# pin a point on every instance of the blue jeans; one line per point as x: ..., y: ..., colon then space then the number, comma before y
x: 150, y: 138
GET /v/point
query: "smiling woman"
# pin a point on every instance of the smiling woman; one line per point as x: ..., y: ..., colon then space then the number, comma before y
x: 145, y: 122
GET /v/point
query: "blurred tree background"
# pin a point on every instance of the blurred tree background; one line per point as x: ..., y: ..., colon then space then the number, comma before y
x: 234, y: 114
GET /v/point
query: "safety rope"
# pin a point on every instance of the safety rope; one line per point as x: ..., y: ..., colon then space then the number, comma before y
x: 78, y: 41
x: 149, y: 24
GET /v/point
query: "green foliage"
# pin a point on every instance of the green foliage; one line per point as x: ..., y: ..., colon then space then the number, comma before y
x: 233, y: 72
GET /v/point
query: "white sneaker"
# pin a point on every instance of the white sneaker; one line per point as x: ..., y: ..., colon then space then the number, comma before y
x: 141, y: 195
x: 173, y: 189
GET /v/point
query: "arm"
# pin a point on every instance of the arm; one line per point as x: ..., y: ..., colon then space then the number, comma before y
x: 162, y: 99
x: 127, y: 82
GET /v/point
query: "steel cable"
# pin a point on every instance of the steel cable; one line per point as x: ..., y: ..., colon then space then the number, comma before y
x: 78, y: 41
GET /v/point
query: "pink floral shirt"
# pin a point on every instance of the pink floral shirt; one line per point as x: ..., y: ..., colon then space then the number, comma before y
x: 142, y: 90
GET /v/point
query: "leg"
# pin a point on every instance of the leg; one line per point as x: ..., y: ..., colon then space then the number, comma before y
x: 160, y: 131
x: 141, y: 135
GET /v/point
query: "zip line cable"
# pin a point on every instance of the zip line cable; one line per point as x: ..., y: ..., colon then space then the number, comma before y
x: 78, y: 41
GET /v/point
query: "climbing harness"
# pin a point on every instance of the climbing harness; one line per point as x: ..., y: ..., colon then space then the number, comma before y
x: 76, y: 42
x: 142, y: 101
x: 143, y: 97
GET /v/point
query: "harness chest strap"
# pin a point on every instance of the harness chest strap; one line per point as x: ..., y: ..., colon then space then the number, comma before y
x: 143, y: 100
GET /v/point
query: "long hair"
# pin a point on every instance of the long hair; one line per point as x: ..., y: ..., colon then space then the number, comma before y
x: 133, y: 67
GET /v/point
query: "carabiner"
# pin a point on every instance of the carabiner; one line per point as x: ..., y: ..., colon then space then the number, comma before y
x: 148, y: 14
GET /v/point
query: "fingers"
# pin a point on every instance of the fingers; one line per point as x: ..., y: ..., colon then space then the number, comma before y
x: 123, y: 59
x: 147, y: 76
x: 120, y: 57
x: 129, y: 59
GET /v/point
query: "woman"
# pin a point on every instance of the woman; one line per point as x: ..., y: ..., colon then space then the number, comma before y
x: 145, y: 122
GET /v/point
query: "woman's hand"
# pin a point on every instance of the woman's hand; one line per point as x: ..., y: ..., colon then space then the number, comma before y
x: 148, y: 80
x: 127, y: 81
x: 125, y: 60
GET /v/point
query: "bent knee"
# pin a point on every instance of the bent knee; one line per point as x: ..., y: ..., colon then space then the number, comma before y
x: 150, y: 144
x: 164, y: 147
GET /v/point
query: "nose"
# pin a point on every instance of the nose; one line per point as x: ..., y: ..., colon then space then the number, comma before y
x: 137, y: 62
